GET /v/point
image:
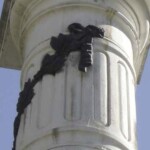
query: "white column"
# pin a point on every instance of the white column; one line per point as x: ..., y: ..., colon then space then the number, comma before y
x: 74, y: 110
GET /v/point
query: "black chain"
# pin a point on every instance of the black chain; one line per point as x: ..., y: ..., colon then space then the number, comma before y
x: 79, y: 39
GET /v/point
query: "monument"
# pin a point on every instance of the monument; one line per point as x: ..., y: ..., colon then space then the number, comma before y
x: 80, y: 62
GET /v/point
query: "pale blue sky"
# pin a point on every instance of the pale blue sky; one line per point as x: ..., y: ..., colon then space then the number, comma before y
x: 9, y: 91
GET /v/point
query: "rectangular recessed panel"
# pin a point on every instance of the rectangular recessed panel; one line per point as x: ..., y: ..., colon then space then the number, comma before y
x: 88, y: 97
x: 73, y: 92
x: 46, y: 100
x: 123, y: 98
x: 100, y: 88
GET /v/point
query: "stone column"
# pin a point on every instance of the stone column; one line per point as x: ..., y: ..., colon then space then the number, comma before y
x: 74, y: 110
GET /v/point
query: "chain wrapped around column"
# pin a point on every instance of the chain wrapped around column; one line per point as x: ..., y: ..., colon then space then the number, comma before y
x: 80, y: 62
x: 79, y: 39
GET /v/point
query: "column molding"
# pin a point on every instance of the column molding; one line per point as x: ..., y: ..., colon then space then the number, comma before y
x: 119, y: 14
x: 72, y: 108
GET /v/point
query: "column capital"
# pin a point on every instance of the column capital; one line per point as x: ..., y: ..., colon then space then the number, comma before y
x: 131, y: 17
x: 134, y: 14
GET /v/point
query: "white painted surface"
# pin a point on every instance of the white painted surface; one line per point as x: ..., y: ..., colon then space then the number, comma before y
x: 74, y: 110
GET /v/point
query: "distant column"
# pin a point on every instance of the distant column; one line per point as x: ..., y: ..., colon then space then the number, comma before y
x: 73, y: 110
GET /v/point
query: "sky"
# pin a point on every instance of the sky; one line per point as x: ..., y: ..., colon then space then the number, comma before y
x: 9, y: 91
